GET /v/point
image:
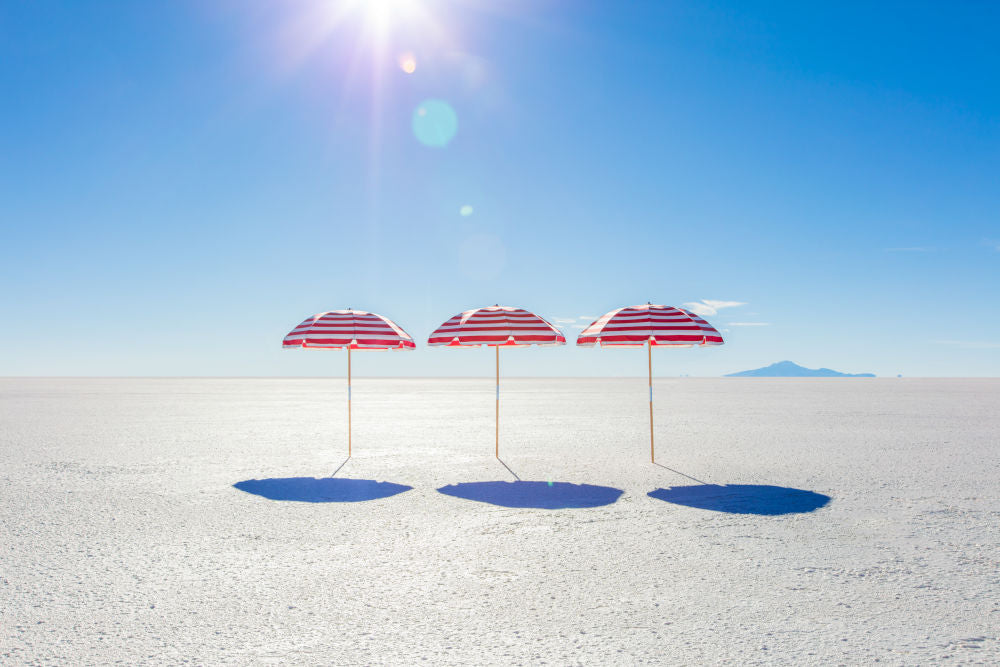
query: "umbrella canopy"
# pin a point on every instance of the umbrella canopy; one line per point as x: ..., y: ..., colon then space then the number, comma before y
x: 496, y: 326
x: 635, y: 326
x: 353, y: 329
x: 650, y: 325
x: 350, y: 329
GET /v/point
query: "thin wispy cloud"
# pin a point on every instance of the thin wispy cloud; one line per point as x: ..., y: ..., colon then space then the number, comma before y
x: 564, y: 320
x: 591, y: 318
x: 971, y: 344
x: 707, y: 307
x: 749, y: 324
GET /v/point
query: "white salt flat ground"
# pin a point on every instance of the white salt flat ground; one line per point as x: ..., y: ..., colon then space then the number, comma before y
x: 122, y: 538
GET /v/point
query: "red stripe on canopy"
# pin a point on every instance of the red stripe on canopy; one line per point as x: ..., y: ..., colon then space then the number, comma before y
x: 649, y: 323
x: 496, y: 325
x: 355, y: 329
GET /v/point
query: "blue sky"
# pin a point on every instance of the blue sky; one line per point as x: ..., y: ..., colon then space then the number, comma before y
x: 184, y: 182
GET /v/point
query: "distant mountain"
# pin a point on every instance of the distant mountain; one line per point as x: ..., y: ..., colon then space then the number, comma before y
x: 788, y: 369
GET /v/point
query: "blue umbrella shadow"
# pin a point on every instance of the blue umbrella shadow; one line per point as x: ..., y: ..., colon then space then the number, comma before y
x: 760, y: 499
x: 320, y: 489
x: 538, y: 495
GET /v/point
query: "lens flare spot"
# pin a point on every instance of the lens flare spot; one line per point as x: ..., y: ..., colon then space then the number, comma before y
x: 435, y: 123
x: 465, y: 211
x: 408, y: 63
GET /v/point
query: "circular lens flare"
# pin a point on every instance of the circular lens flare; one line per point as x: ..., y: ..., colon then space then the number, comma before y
x: 434, y: 123
x: 408, y: 63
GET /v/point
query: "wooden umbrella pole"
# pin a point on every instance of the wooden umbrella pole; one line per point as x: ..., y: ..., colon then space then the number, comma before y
x: 348, y: 402
x: 497, y: 452
x: 652, y: 453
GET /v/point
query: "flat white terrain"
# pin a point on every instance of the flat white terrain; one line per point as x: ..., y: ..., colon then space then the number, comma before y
x: 842, y: 521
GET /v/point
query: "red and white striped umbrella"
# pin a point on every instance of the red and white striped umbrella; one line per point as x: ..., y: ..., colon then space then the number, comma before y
x: 636, y: 326
x: 650, y: 325
x: 353, y: 329
x: 350, y: 329
x: 496, y: 326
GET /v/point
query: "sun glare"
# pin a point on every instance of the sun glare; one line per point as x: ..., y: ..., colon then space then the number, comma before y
x: 372, y: 35
x: 383, y: 16
x: 389, y: 9
x: 383, y: 32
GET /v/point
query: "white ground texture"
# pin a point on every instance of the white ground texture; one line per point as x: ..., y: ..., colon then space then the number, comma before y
x: 123, y: 539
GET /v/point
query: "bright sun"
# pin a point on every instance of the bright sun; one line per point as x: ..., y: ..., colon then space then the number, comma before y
x: 389, y: 10
x: 382, y: 17
x: 388, y: 30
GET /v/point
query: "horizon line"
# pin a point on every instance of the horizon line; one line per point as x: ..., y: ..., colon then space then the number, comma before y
x: 487, y: 377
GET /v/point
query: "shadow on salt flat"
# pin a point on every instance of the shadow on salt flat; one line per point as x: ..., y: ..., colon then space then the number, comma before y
x: 537, y: 495
x: 320, y: 489
x: 743, y: 498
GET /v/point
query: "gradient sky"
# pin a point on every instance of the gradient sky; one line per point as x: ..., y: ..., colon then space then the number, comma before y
x: 182, y: 182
